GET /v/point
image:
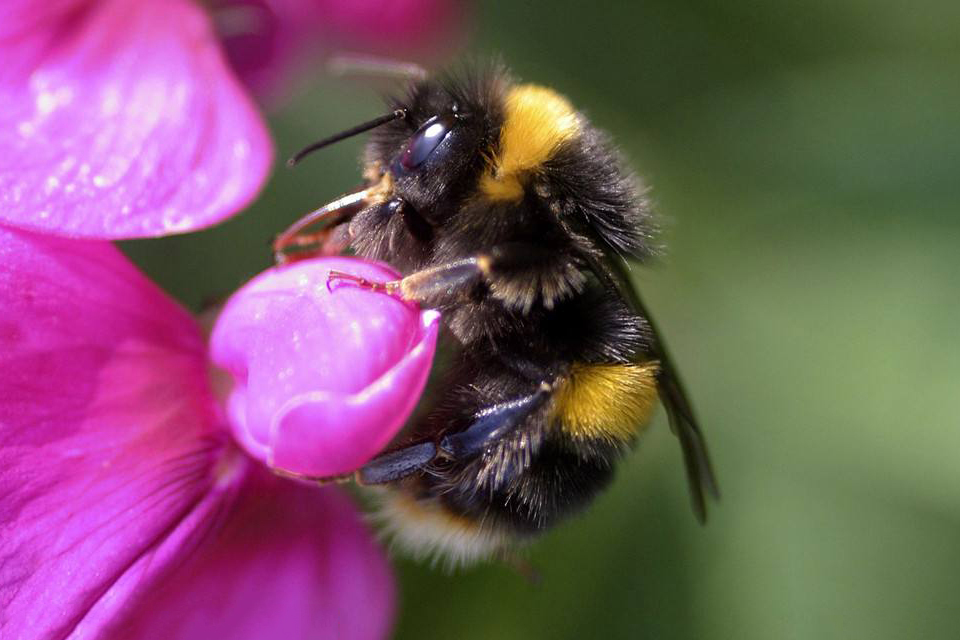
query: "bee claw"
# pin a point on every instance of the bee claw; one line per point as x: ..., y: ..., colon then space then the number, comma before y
x: 336, y: 279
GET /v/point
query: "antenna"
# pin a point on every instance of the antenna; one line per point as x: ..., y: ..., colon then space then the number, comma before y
x: 349, y: 133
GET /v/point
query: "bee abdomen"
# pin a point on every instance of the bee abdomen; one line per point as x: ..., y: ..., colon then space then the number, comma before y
x: 608, y: 402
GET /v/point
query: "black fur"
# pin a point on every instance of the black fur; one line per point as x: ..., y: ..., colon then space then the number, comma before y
x: 540, y: 305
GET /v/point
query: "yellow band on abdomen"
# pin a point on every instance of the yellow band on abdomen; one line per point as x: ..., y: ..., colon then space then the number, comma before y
x: 606, y: 401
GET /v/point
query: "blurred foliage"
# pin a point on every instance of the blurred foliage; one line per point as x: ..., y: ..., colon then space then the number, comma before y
x: 804, y: 156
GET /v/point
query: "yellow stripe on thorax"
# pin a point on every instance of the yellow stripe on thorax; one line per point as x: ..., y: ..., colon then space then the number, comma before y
x: 537, y: 120
x: 606, y: 401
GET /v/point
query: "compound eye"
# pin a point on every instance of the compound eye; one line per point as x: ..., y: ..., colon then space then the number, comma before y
x: 425, y: 141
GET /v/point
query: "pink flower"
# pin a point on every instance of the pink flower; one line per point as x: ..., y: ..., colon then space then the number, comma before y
x: 122, y: 118
x: 267, y: 41
x: 117, y: 461
x: 127, y: 508
x: 285, y: 330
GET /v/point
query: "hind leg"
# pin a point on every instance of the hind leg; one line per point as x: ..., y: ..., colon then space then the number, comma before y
x: 492, y: 424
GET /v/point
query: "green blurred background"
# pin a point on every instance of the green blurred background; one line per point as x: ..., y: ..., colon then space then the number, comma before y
x: 804, y: 156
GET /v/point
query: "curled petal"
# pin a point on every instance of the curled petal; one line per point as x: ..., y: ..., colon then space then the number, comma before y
x: 323, y: 380
x: 291, y: 562
x: 121, y: 119
x: 108, y: 434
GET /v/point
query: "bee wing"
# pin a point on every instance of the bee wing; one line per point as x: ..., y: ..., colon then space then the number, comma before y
x: 614, y: 272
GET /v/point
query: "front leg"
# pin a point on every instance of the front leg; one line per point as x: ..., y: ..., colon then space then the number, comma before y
x: 517, y: 273
x: 437, y: 286
x: 293, y: 243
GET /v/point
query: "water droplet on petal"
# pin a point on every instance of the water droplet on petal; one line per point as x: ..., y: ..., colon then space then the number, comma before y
x: 46, y: 102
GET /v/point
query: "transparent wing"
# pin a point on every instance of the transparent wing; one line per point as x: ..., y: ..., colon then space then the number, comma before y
x: 614, y: 272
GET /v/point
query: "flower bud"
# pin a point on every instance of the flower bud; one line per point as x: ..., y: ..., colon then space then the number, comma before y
x: 323, y: 377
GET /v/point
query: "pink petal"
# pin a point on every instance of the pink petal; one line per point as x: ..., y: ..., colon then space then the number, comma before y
x: 269, y: 41
x: 264, y: 40
x: 293, y: 562
x: 121, y: 120
x: 107, y: 433
x: 385, y: 25
x: 323, y: 380
x: 18, y: 17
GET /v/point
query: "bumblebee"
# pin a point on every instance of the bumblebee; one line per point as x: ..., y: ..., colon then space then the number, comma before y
x: 504, y: 208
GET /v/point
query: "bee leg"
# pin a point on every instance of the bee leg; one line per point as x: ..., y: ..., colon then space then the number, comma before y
x: 523, y: 567
x: 326, y: 242
x: 397, y: 464
x: 355, y: 64
x: 424, y: 286
x: 495, y: 423
x: 333, y: 214
x: 449, y: 283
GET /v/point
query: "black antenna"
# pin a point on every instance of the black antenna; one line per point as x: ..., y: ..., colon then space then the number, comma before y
x: 349, y: 133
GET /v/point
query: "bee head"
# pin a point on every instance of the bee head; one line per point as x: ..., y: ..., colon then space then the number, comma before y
x: 471, y: 161
x: 429, y: 162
